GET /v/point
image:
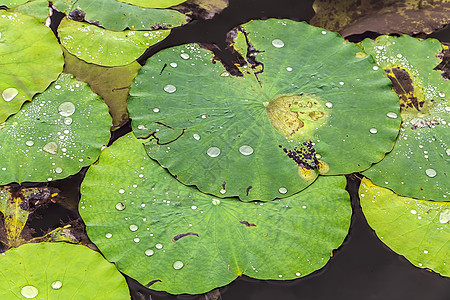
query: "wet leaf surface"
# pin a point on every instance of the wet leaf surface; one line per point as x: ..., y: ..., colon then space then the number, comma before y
x: 54, y: 136
x: 383, y: 16
x: 59, y: 271
x: 112, y: 84
x: 104, y: 47
x: 416, y: 229
x: 179, y: 240
x: 418, y: 165
x: 36, y: 8
x: 288, y: 118
x: 154, y: 3
x: 30, y: 58
x: 115, y: 15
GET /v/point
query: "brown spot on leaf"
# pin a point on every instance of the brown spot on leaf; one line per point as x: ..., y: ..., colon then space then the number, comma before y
x: 179, y: 236
x: 247, y: 223
x: 402, y: 84
x: 444, y: 65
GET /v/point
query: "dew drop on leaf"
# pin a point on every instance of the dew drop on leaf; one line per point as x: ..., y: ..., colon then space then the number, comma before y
x: 120, y: 206
x: 391, y: 115
x: 51, y: 148
x: 277, y: 43
x: 373, y: 130
x: 178, y: 265
x: 68, y: 120
x: 430, y: 172
x: 170, y: 88
x: 149, y: 252
x: 156, y: 110
x: 58, y: 170
x: 329, y: 105
x: 9, y: 94
x: 215, y: 201
x: 213, y: 152
x: 108, y: 235
x: 56, y: 285
x: 282, y: 190
x: 133, y: 227
x: 158, y: 246
x: 29, y: 143
x: 173, y: 64
x: 184, y: 56
x: 66, y: 109
x: 246, y: 150
x: 444, y: 216
x: 289, y: 69
x: 196, y: 136
x: 29, y: 291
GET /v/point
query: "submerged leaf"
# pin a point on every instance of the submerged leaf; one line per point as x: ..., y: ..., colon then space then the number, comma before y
x: 115, y: 15
x: 30, y: 58
x: 160, y: 231
x: 112, y: 84
x: 54, y: 136
x: 419, y: 163
x: 383, y: 16
x: 104, y: 47
x: 299, y: 109
x: 416, y: 229
x: 59, y: 271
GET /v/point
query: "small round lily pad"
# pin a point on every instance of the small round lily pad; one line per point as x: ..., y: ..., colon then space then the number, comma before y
x: 179, y: 240
x: 59, y: 271
x: 297, y: 111
x: 54, y: 136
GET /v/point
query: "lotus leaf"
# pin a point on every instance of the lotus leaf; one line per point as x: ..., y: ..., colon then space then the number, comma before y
x: 59, y: 271
x: 54, y: 136
x: 383, y: 16
x: 115, y: 15
x: 301, y: 108
x: 418, y: 165
x: 112, y: 84
x: 30, y: 58
x: 154, y: 3
x: 104, y: 47
x: 416, y: 229
x: 160, y: 231
x: 35, y: 8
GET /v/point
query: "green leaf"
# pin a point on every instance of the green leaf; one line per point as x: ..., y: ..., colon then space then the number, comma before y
x: 154, y: 3
x: 418, y: 165
x: 416, y: 229
x: 54, y: 136
x: 112, y: 84
x: 36, y: 8
x: 150, y: 225
x: 307, y: 98
x: 383, y: 16
x: 115, y: 15
x: 59, y: 271
x: 11, y: 4
x: 103, y: 47
x: 30, y: 58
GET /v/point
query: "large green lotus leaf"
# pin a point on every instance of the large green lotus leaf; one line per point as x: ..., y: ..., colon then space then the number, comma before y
x: 249, y: 136
x: 54, y: 136
x: 154, y: 3
x: 383, y: 16
x: 160, y: 231
x: 418, y: 165
x: 416, y: 229
x: 112, y: 84
x: 11, y: 4
x: 30, y: 58
x: 104, y: 47
x: 59, y: 271
x: 37, y: 8
x: 114, y: 15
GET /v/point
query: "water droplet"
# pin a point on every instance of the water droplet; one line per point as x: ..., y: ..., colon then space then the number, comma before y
x: 58, y: 170
x: 184, y: 56
x: 196, y: 136
x: 68, y: 120
x: 178, y: 265
x: 215, y: 201
x: 430, y: 172
x: 133, y: 227
x: 391, y: 115
x: 223, y: 191
x: 447, y: 151
x: 120, y: 206
x: 213, y: 152
x: 51, y: 148
x: 441, y: 94
x: 282, y: 190
x: 108, y: 235
x: 66, y: 109
x: 329, y: 104
x: 444, y: 216
x: 289, y: 69
x: 137, y: 240
x: 341, y: 83
x: 29, y: 291
x: 246, y: 150
x: 58, y: 87
x: 277, y: 43
x: 324, y: 32
x: 56, y: 285
x: 194, y: 207
x: 121, y: 191
x: 399, y: 55
x: 29, y: 143
x: 375, y: 68
x: 297, y: 274
x: 149, y: 252
x: 413, y: 211
x: 158, y: 246
x: 373, y: 130
x: 9, y: 94
x: 425, y: 251
x: 170, y: 88
x: 156, y: 110
x: 225, y: 74
x: 280, y: 275
x: 173, y: 64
